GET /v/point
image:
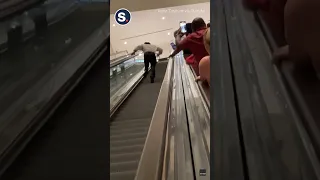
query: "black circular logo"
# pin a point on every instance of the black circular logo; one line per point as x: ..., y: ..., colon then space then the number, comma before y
x: 122, y: 16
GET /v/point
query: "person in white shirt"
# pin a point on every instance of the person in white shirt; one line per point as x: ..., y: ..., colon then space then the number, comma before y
x: 149, y: 51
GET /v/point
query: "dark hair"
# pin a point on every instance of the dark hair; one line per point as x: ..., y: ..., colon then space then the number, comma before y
x: 198, y: 23
x: 146, y: 43
x: 208, y: 25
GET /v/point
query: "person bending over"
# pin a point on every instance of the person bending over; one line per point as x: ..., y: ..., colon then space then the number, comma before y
x: 204, y: 65
x: 193, y: 42
x: 149, y: 51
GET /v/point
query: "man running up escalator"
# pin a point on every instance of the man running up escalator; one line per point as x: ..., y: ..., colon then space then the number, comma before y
x: 150, y: 52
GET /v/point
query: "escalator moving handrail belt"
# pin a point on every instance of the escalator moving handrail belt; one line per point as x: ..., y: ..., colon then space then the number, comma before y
x: 117, y: 62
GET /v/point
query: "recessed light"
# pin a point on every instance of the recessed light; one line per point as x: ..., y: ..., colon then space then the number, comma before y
x: 125, y: 42
x: 168, y: 33
x: 163, y: 18
x: 113, y: 25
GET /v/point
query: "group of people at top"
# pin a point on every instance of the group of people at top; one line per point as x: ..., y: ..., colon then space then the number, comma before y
x: 295, y: 26
x: 195, y: 44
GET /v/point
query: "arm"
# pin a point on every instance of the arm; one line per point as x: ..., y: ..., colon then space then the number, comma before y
x: 184, y: 44
x: 138, y: 48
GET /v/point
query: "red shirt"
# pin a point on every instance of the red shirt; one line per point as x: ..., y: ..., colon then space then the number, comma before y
x: 194, y: 43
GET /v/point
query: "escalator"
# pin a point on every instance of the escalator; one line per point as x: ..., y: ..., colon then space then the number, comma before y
x: 129, y: 127
x: 53, y: 95
x: 72, y: 144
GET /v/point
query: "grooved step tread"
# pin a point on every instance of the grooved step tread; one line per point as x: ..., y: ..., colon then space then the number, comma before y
x: 123, y: 166
x: 129, y: 127
x: 126, y: 175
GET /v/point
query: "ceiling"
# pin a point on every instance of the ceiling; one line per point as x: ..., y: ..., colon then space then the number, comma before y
x: 140, y: 5
x: 155, y: 26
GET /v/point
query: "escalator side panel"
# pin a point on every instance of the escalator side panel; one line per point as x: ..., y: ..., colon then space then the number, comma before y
x: 226, y: 158
x: 273, y: 147
x: 72, y: 145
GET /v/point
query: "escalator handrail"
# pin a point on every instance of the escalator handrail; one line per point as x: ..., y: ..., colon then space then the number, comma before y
x: 151, y: 161
x: 286, y: 79
x: 123, y: 59
x: 193, y: 122
x: 114, y: 54
x: 13, y: 9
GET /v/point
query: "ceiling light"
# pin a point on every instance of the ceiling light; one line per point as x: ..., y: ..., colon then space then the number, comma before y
x: 168, y: 33
x: 113, y: 25
x: 125, y: 42
x: 163, y: 18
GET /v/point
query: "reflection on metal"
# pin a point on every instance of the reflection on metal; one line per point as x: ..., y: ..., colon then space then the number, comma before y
x: 182, y: 166
x: 120, y: 95
x: 177, y: 145
x: 198, y: 111
x: 189, y: 130
x: 119, y: 77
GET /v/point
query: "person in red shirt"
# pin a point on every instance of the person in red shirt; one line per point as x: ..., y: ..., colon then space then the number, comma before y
x: 204, y: 65
x: 193, y: 42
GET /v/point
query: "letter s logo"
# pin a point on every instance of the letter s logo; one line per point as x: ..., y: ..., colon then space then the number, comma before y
x: 122, y: 16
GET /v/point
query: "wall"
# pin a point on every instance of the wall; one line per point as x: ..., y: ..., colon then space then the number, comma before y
x: 155, y: 26
x: 140, y: 5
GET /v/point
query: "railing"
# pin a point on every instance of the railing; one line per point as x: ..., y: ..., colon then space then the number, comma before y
x: 181, y: 115
x: 189, y: 127
x: 121, y: 60
x: 125, y: 74
x: 118, y: 55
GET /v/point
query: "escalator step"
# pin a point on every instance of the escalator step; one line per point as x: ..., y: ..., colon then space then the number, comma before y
x: 134, y: 156
x: 127, y: 175
x: 130, y: 123
x: 123, y: 166
x: 128, y: 136
x: 129, y: 127
x: 129, y: 130
x: 127, y: 142
x: 126, y: 149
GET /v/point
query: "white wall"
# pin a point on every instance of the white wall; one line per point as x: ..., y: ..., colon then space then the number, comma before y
x: 150, y: 26
x: 141, y: 5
